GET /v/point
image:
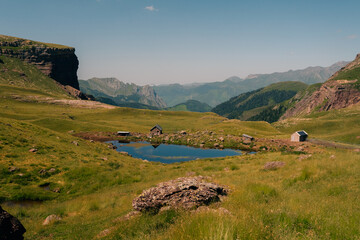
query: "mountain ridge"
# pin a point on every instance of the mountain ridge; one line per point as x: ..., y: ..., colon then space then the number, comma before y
x: 120, y: 92
x: 215, y: 93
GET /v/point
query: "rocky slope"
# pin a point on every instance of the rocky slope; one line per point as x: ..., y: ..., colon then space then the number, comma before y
x: 56, y: 61
x: 218, y: 92
x: 340, y: 91
x: 120, y: 93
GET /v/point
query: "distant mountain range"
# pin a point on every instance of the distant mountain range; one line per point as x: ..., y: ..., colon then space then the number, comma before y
x: 116, y: 92
x: 191, y: 106
x: 250, y: 105
x: 217, y: 92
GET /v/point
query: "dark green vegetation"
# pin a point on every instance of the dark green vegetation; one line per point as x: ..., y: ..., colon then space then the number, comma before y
x: 260, y: 105
x: 314, y: 196
x: 218, y: 92
x: 192, y: 106
x: 114, y: 92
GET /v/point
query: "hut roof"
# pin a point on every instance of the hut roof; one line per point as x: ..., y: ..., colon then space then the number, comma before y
x: 247, y: 136
x: 157, y: 126
x: 302, y: 133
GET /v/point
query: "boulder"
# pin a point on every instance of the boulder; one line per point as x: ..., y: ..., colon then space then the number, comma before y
x: 10, y: 227
x: 51, y: 219
x: 186, y: 193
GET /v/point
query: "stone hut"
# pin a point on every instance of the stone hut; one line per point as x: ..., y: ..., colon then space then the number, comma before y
x: 299, y: 136
x: 156, y: 130
x: 247, y: 138
x: 123, y: 133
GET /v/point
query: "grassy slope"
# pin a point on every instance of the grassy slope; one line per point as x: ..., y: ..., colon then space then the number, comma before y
x: 313, y: 198
x: 30, y: 42
x: 192, y: 106
x: 18, y: 77
x: 338, y: 125
x: 251, y: 104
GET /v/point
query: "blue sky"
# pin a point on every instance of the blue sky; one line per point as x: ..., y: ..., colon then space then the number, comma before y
x: 185, y: 41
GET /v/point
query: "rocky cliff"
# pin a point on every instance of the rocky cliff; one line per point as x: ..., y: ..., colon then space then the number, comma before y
x: 340, y: 91
x: 56, y: 61
x: 120, y: 92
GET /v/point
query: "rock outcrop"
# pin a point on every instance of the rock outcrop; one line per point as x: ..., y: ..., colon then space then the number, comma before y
x: 184, y: 193
x: 121, y: 93
x: 10, y: 227
x: 56, y: 61
x: 340, y: 91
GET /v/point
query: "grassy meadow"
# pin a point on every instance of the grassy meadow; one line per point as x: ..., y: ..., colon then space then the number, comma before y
x: 314, y: 196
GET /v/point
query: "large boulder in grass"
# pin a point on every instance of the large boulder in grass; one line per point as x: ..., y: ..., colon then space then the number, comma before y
x: 186, y: 192
x: 10, y: 227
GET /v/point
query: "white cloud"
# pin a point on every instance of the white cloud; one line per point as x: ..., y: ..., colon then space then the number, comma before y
x: 151, y: 8
x: 353, y: 36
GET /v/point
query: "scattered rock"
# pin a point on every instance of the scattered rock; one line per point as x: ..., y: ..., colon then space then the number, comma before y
x: 71, y: 131
x: 216, y: 145
x: 104, y: 158
x: 332, y: 156
x: 189, y: 174
x: 33, y: 150
x: 221, y: 146
x: 221, y: 139
x: 127, y: 216
x: 91, y: 141
x: 52, y: 170
x: 42, y: 172
x: 145, y: 160
x: 10, y: 227
x: 302, y: 157
x: 227, y: 169
x: 202, y: 145
x: 273, y: 165
x: 105, y: 232
x: 75, y: 143
x: 179, y: 193
x: 13, y: 169
x: 111, y: 146
x: 51, y: 219
x: 56, y: 190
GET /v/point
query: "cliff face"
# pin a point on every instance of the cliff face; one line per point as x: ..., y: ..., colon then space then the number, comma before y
x: 56, y: 61
x: 340, y: 91
x: 120, y: 92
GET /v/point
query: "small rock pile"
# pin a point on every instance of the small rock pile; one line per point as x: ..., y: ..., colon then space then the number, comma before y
x: 186, y: 192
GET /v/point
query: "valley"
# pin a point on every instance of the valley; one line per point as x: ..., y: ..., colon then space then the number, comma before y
x: 53, y: 155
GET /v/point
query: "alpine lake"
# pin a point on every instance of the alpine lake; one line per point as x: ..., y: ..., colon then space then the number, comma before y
x: 170, y: 153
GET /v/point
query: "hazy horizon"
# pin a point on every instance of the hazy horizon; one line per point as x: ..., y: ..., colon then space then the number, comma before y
x: 163, y: 42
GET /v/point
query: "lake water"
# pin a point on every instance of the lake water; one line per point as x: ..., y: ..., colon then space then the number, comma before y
x: 169, y: 153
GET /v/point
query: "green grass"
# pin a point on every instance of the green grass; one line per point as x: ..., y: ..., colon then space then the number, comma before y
x: 29, y: 43
x: 308, y: 198
x: 350, y: 74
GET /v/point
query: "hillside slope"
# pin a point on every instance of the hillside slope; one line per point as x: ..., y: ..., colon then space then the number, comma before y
x: 192, y: 106
x: 340, y: 91
x: 114, y: 91
x: 17, y: 74
x: 218, y: 92
x: 250, y: 105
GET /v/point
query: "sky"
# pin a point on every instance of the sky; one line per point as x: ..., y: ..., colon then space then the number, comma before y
x: 185, y: 41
